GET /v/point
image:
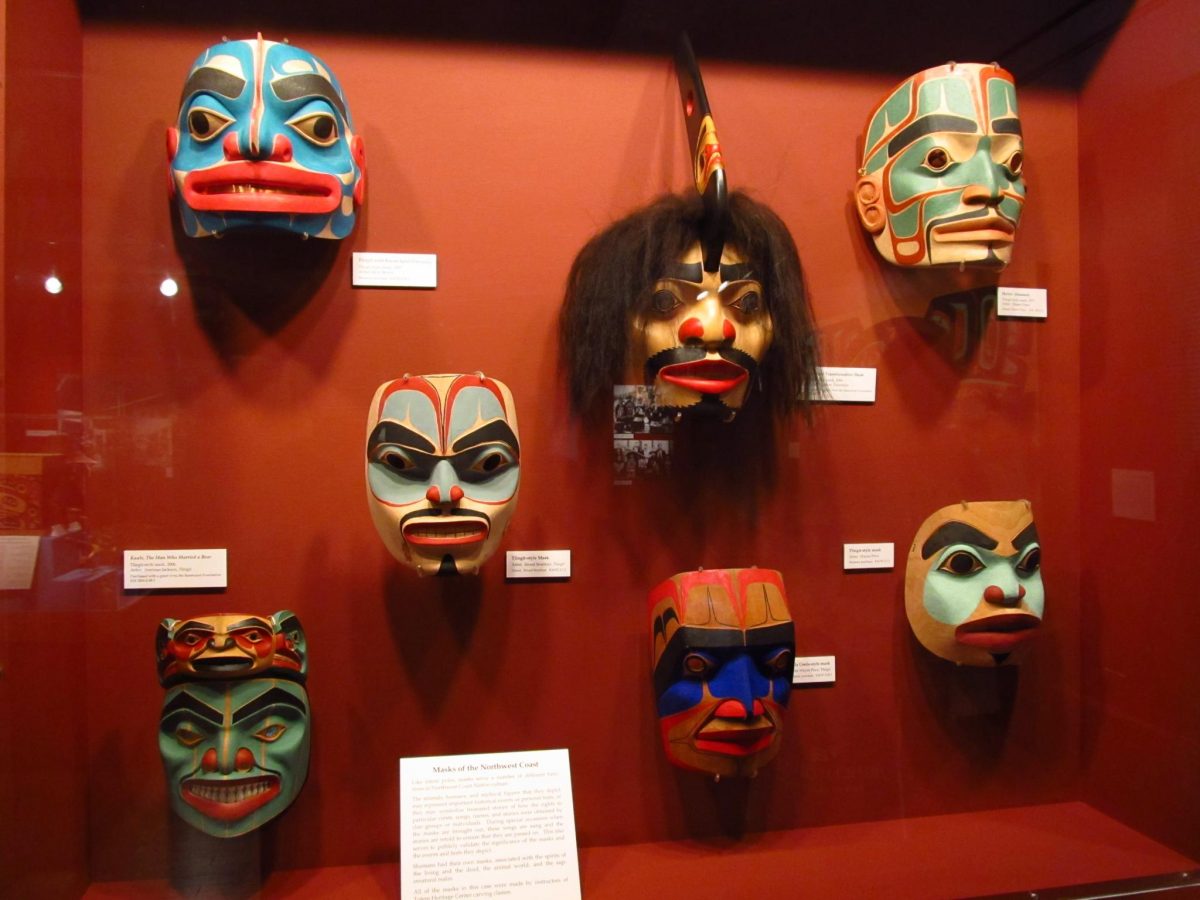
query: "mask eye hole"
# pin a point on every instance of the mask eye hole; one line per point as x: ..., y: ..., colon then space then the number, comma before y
x: 698, y: 665
x: 1031, y: 562
x: 962, y: 563
x: 778, y: 663
x: 396, y: 461
x: 937, y: 160
x: 188, y: 736
x: 492, y: 463
x: 206, y: 124
x: 664, y: 303
x: 190, y: 639
x: 318, y: 128
x: 1015, y: 162
x: 270, y: 733
x: 750, y: 303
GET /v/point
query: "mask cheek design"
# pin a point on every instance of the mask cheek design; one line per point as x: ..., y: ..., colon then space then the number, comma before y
x: 973, y: 585
x: 941, y: 180
x: 722, y: 644
x: 442, y: 469
x: 264, y: 139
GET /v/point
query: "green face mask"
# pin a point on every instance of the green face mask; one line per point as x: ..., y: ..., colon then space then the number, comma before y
x: 941, y: 173
x: 235, y: 753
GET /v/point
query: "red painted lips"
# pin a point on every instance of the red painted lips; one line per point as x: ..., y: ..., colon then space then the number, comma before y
x: 229, y: 799
x: 705, y: 376
x: 441, y: 532
x: 998, y: 633
x: 264, y: 187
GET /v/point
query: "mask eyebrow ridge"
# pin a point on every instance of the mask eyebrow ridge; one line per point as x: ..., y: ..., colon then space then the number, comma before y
x: 956, y: 533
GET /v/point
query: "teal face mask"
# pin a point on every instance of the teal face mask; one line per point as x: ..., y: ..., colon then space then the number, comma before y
x: 940, y: 181
x: 235, y: 753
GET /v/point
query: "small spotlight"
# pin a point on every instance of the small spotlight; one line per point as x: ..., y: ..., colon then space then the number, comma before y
x: 53, y: 285
x: 169, y: 287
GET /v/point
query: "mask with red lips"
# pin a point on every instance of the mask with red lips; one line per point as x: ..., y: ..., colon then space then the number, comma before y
x: 263, y: 139
x: 443, y: 467
x: 973, y: 586
x: 234, y: 727
x: 701, y: 337
x: 722, y: 645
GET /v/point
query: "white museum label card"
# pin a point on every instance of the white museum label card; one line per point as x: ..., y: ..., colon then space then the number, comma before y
x: 175, y: 569
x: 18, y: 556
x: 1022, y: 303
x: 537, y: 564
x: 845, y: 384
x: 488, y: 825
x: 411, y: 270
x: 868, y: 556
x: 814, y: 670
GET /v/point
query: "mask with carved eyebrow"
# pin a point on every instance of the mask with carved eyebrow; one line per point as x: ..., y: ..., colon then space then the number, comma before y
x: 973, y: 586
x: 722, y: 645
x: 263, y: 139
x: 235, y: 753
x: 940, y: 177
x: 443, y: 464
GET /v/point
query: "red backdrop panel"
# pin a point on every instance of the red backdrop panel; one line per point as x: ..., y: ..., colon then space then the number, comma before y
x: 234, y: 417
x: 1141, y: 414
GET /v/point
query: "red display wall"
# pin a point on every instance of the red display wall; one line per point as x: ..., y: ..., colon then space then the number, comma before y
x: 252, y: 399
x: 232, y: 415
x: 1141, y: 424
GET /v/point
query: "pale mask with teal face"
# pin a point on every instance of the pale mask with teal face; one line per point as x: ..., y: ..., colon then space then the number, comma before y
x: 263, y: 139
x: 940, y: 179
x: 973, y: 585
x: 235, y: 753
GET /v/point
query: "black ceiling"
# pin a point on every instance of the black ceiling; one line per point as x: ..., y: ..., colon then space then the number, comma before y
x: 1049, y: 42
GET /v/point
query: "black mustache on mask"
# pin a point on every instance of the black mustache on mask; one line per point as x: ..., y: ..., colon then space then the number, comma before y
x: 686, y: 354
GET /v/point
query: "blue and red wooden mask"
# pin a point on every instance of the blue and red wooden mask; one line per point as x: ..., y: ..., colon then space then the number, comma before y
x: 722, y: 644
x: 234, y: 727
x: 443, y: 464
x: 263, y: 139
x: 940, y: 179
x: 973, y: 586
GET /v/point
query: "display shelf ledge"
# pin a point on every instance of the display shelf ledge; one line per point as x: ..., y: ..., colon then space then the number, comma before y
x: 967, y: 854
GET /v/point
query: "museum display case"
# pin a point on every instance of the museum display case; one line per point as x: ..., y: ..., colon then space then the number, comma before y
x: 205, y: 399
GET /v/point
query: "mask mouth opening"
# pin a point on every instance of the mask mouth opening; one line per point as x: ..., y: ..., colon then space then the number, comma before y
x: 229, y: 799
x: 445, y: 531
x: 998, y: 633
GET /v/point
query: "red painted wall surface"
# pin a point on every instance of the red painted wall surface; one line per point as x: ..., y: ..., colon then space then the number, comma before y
x: 1139, y: 126
x: 235, y: 418
x: 44, y: 757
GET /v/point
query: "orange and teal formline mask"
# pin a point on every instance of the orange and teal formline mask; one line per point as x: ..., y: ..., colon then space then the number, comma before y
x: 722, y: 647
x: 973, y: 585
x: 443, y: 465
x: 263, y: 139
x: 940, y: 177
x: 234, y: 728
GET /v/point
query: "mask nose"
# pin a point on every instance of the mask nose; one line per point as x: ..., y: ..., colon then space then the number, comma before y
x: 739, y: 684
x: 1004, y: 590
x: 246, y: 146
x: 444, y: 489
x: 709, y: 326
x: 985, y: 186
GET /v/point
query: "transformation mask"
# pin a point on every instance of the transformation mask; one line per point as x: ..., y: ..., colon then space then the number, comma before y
x: 443, y: 468
x: 234, y: 731
x: 231, y: 646
x: 722, y: 644
x: 973, y: 587
x: 263, y: 139
x: 940, y: 177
